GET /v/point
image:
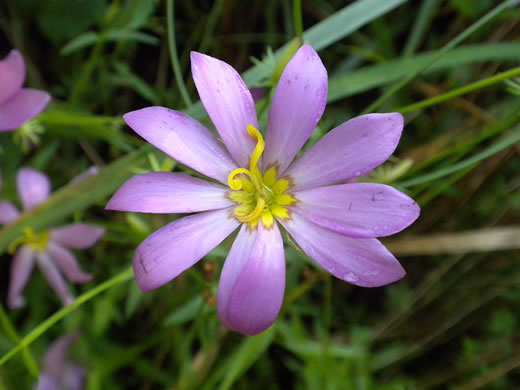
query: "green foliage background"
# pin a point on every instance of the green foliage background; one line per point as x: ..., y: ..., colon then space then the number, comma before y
x: 452, y: 323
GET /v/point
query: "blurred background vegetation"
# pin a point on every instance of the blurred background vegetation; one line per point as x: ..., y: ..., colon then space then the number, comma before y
x: 451, y: 323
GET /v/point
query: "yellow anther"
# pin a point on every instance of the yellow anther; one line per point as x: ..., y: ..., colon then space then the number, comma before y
x: 255, y: 213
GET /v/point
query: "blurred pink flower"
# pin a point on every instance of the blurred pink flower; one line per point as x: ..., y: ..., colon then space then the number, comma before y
x: 50, y: 250
x: 59, y: 373
x: 335, y: 225
x: 17, y: 104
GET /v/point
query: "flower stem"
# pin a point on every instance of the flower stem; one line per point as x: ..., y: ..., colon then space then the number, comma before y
x: 173, y: 54
x: 9, y: 330
x: 297, y: 18
x: 462, y: 90
x: 60, y: 314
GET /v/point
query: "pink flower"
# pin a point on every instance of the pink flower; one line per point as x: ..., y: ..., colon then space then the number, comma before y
x: 260, y: 187
x: 50, y: 250
x: 17, y: 104
x: 58, y: 372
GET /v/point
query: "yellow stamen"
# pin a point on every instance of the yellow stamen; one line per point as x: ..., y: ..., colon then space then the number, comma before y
x: 253, y: 172
x: 236, y: 184
x: 34, y: 240
x: 259, y: 148
x: 255, y: 213
x: 259, y: 197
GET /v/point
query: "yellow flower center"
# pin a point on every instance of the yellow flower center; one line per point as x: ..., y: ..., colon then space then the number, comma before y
x: 259, y: 197
x: 37, y: 241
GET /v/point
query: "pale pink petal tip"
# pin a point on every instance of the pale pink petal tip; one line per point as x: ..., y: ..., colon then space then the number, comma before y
x: 23, y: 106
x: 54, y: 277
x: 68, y: 263
x: 252, y: 283
x: 33, y: 187
x: 182, y: 138
x: 228, y: 103
x: 12, y: 75
x: 8, y: 212
x: 363, y: 210
x: 298, y: 104
x: 348, y: 151
x: 21, y: 268
x: 364, y: 262
x: 77, y: 236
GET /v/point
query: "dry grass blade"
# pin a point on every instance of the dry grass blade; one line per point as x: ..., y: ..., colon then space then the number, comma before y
x: 485, y: 240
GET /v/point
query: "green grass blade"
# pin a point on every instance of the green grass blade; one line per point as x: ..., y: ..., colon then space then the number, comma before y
x: 62, y: 313
x: 445, y: 49
x: 334, y: 28
x: 462, y: 90
x: 349, y: 84
x: 497, y: 147
x: 428, y: 8
x: 173, y: 54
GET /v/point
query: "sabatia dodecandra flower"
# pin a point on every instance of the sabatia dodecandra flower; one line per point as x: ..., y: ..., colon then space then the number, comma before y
x: 260, y: 187
x: 59, y: 373
x: 17, y: 104
x: 49, y: 249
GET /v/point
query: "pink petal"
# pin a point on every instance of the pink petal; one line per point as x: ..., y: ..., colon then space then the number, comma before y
x: 33, y: 187
x: 77, y: 235
x: 236, y: 260
x: 184, y: 139
x: 358, y: 210
x: 177, y: 246
x: 237, y: 257
x: 55, y: 359
x: 54, y: 277
x: 12, y: 75
x: 228, y: 102
x: 8, y: 212
x: 298, y: 103
x: 251, y: 288
x: 21, y: 269
x: 361, y: 261
x: 74, y: 377
x: 47, y: 382
x: 67, y: 263
x: 25, y: 105
x: 350, y: 150
x: 166, y: 192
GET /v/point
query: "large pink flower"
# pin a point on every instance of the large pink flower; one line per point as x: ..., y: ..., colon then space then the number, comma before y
x: 50, y: 250
x: 260, y: 187
x: 17, y: 104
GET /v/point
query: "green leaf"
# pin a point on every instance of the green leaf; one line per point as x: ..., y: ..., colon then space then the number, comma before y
x: 245, y: 356
x: 63, y: 19
x: 89, y: 38
x: 185, y: 313
x: 334, y: 28
x: 80, y: 42
x: 344, y: 85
